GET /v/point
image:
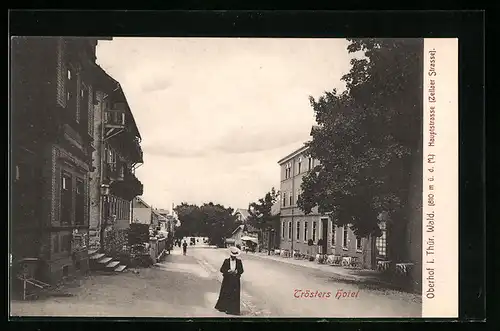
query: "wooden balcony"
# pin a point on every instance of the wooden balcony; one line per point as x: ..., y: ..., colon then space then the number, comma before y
x: 129, y: 187
x: 115, y: 171
x: 114, y: 119
x: 137, y: 154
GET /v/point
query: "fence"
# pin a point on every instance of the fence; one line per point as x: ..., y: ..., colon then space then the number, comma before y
x: 157, y: 248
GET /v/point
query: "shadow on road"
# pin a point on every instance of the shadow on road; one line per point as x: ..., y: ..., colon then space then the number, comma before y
x: 375, y: 284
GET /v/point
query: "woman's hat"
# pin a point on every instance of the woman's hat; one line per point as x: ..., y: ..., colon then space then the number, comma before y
x: 234, y: 251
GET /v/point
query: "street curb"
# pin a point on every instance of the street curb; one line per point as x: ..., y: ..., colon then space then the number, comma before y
x: 344, y: 276
x: 245, y: 297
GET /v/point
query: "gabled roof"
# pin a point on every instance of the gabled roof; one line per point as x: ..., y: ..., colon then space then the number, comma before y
x: 240, y: 227
x: 243, y: 212
x: 113, y: 88
x: 293, y: 154
x: 250, y: 228
x: 245, y: 227
x: 142, y: 202
x: 163, y: 211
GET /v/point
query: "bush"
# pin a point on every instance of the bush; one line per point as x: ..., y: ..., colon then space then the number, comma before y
x: 138, y: 234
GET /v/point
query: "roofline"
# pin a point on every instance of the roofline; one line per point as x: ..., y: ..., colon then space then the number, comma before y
x: 120, y: 90
x: 144, y: 202
x: 239, y: 227
x: 293, y: 154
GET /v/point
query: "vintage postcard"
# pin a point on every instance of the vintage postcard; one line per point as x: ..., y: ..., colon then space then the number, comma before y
x: 234, y: 177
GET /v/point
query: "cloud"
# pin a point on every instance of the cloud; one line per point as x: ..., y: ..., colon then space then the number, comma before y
x: 174, y: 151
x: 251, y: 141
x: 154, y: 85
x: 216, y: 114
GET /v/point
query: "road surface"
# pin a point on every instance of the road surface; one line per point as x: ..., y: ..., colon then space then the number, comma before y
x: 278, y: 289
x: 188, y: 286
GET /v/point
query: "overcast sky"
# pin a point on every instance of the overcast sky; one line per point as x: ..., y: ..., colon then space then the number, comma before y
x: 215, y: 115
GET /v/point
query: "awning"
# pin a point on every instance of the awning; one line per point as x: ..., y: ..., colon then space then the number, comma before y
x: 252, y: 239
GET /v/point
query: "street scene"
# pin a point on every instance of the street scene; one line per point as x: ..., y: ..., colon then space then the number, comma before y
x: 187, y: 286
x: 216, y: 177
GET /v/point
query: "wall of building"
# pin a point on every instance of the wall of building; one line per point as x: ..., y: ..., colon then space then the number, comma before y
x: 142, y: 215
x: 96, y: 180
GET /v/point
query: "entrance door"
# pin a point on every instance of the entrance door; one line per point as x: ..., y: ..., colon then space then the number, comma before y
x: 324, y: 235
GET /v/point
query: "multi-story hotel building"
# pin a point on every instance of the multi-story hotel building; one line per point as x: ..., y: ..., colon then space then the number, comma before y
x: 298, y: 230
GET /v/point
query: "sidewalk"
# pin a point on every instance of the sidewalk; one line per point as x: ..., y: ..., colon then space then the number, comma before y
x: 347, y: 274
x: 176, y: 287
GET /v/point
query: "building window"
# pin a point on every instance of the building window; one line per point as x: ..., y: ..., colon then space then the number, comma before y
x: 80, y: 202
x: 66, y: 198
x: 333, y: 232
x: 314, y: 231
x: 310, y: 163
x: 55, y: 244
x: 84, y: 106
x: 299, y: 165
x: 298, y: 195
x: 71, y: 92
x: 344, y: 236
x: 284, y: 199
x: 305, y: 231
x: 291, y: 198
x: 289, y: 230
x: 288, y: 170
x: 358, y: 244
x: 283, y: 229
x: 298, y: 230
x: 381, y: 242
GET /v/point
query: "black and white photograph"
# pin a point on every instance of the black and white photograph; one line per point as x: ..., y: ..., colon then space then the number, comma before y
x: 233, y: 177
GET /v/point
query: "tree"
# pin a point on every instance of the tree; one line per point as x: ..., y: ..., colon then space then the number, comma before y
x: 260, y: 212
x: 190, y: 217
x: 211, y: 220
x: 367, y: 137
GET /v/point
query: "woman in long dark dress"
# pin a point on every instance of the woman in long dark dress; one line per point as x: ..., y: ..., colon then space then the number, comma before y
x: 229, y: 297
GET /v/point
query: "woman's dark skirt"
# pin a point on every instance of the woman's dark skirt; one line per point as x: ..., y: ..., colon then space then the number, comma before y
x: 229, y: 297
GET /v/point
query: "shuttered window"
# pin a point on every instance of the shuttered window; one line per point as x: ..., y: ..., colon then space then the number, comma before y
x: 61, y: 72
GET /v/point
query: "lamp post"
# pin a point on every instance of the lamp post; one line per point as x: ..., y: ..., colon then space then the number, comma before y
x: 270, y: 241
x: 104, y: 212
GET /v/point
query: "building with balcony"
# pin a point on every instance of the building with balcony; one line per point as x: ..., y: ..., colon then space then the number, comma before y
x: 52, y: 106
x: 117, y: 154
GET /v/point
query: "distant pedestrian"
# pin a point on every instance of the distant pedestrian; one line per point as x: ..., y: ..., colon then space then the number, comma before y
x: 230, y: 291
x: 184, y: 247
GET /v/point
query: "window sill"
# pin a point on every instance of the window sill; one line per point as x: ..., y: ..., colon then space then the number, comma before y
x: 359, y: 251
x: 345, y: 248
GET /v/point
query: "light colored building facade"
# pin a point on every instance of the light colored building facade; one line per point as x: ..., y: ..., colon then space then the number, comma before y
x: 243, y: 230
x: 241, y: 215
x: 141, y: 211
x: 298, y: 230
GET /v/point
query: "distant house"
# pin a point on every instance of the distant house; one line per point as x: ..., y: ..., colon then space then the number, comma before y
x: 141, y: 212
x: 242, y: 231
x: 242, y: 215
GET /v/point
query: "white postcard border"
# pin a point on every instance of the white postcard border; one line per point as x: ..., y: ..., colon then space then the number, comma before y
x: 440, y: 179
